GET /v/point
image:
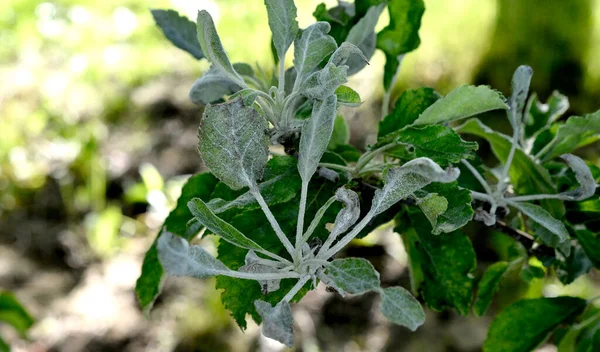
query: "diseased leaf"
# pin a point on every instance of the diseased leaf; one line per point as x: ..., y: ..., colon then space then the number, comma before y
x: 280, y: 184
x: 441, y: 267
x: 324, y: 83
x: 433, y: 205
x: 14, y: 314
x: 315, y: 136
x: 179, y: 30
x: 149, y: 284
x: 465, y: 101
x: 219, y: 227
x: 353, y: 275
x: 458, y: 210
x: 438, y: 143
x: 178, y: 258
x: 212, y: 47
x: 283, y: 24
x: 520, y: 88
x: 312, y: 47
x: 401, y: 182
x: 238, y: 296
x: 233, y: 143
x: 347, y: 96
x: 574, y: 133
x: 583, y: 174
x: 401, y: 35
x: 526, y: 324
x: 277, y: 322
x: 399, y: 306
x: 527, y: 176
x: 341, y: 55
x: 255, y: 264
x: 488, y: 286
x: 212, y: 86
x: 543, y: 218
x: 542, y: 115
x: 349, y: 214
x: 408, y: 107
x: 363, y: 36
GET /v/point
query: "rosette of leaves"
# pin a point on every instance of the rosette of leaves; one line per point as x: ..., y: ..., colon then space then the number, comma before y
x: 270, y: 211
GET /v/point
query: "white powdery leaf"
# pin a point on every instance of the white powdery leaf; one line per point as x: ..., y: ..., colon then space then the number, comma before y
x: 342, y: 54
x: 349, y: 214
x: 363, y: 35
x: 212, y: 47
x: 277, y: 322
x: 329, y: 282
x: 315, y: 135
x: 399, y: 306
x: 283, y: 24
x: 233, y: 143
x: 178, y: 258
x: 584, y: 176
x: 322, y: 84
x: 255, y: 264
x: 520, y: 88
x: 401, y: 182
x: 212, y: 86
x: 353, y: 275
x: 311, y: 47
x: 543, y: 218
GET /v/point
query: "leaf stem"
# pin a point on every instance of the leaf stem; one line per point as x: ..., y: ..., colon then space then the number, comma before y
x: 336, y: 167
x: 274, y: 224
x: 535, y: 197
x: 281, y: 75
x: 316, y: 220
x: 260, y: 276
x: 326, y: 253
x: 275, y: 256
x: 368, y: 156
x: 546, y: 149
x: 290, y: 295
x: 478, y: 176
x: 513, y: 148
x: 300, y: 223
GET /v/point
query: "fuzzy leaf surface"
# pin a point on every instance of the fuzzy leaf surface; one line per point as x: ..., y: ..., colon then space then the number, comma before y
x: 543, y: 218
x: 353, y: 275
x: 399, y: 306
x: 574, y: 133
x: 283, y: 24
x: 277, y: 322
x: 233, y: 143
x: 212, y: 86
x: 520, y: 88
x: 311, y: 47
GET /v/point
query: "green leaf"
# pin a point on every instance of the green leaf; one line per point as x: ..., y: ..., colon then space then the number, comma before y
x: 542, y: 115
x: 233, y: 143
x: 341, y: 55
x: 399, y: 306
x: 324, y: 83
x: 401, y: 182
x: 353, y: 275
x: 458, y: 211
x: 220, y: 227
x: 212, y: 47
x: 179, y: 30
x: 315, y: 135
x: 520, y: 88
x: 488, y: 286
x: 3, y: 346
x: 283, y: 24
x: 312, y: 47
x: 441, y: 267
x: 526, y: 324
x: 409, y: 106
x: 590, y: 242
x: 349, y: 153
x: 277, y: 322
x: 212, y: 86
x: 401, y: 35
x: 526, y: 175
x: 362, y: 34
x: 438, y: 143
x: 583, y: 175
x: 341, y: 132
x: 432, y: 205
x: 14, y: 314
x: 149, y: 284
x: 465, y: 101
x: 280, y: 184
x: 573, y: 266
x: 347, y: 96
x: 178, y: 258
x: 530, y: 272
x: 543, y: 218
x: 339, y: 17
x: 574, y: 133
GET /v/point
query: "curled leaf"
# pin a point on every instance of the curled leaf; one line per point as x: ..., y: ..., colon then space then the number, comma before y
x: 349, y: 214
x: 277, y: 322
x: 583, y: 174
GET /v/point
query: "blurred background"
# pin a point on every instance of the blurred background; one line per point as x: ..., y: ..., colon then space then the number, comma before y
x: 97, y: 136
